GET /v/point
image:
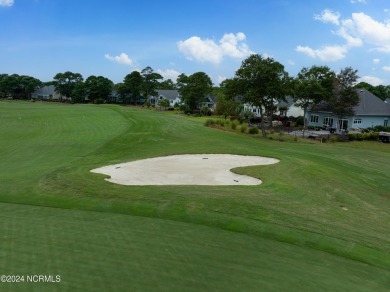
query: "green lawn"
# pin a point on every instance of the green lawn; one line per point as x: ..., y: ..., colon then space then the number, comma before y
x: 319, y: 221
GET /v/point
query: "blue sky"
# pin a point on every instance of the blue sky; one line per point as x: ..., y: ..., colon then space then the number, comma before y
x: 112, y: 38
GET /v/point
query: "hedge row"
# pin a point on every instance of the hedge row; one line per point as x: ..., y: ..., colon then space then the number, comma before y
x: 373, y: 136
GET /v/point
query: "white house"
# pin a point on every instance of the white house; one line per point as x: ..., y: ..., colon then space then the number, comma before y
x: 46, y: 93
x: 285, y: 108
x: 172, y: 95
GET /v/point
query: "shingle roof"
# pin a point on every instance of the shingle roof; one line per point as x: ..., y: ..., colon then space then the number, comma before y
x: 370, y: 104
x: 168, y: 94
x: 288, y: 103
x: 46, y: 90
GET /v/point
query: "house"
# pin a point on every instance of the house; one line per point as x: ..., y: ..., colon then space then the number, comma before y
x: 288, y: 109
x: 46, y: 93
x: 172, y: 95
x: 285, y: 108
x: 371, y: 111
x: 210, y: 102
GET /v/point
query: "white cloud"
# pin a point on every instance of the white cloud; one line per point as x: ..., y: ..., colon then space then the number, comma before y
x: 328, y: 16
x: 386, y: 68
x: 169, y: 74
x: 230, y: 45
x: 351, y: 41
x: 376, y: 61
x: 370, y: 31
x: 8, y: 3
x: 121, y: 59
x: 291, y: 62
x: 375, y: 81
x: 326, y: 54
x: 359, y: 30
x: 358, y: 1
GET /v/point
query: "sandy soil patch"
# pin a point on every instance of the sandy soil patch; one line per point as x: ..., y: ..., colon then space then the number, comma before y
x: 199, y: 169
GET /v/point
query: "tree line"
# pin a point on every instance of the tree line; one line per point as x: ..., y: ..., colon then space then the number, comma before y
x: 260, y: 82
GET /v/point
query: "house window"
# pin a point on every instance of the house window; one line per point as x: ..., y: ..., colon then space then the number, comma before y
x: 328, y: 121
x: 254, y: 110
x: 357, y: 121
x: 313, y: 119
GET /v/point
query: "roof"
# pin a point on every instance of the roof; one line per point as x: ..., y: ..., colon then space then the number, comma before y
x: 288, y: 103
x: 370, y: 104
x: 45, y: 90
x: 168, y: 94
x: 211, y: 98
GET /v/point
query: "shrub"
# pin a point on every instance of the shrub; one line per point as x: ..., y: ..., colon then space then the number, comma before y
x: 233, y: 125
x: 253, y: 131
x: 244, y: 128
x: 221, y: 123
x: 209, y: 122
x: 299, y: 121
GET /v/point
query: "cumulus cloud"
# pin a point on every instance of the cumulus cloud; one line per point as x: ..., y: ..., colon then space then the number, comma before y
x: 359, y: 30
x: 375, y: 81
x: 358, y: 1
x: 206, y: 50
x: 386, y: 68
x: 169, y: 74
x: 121, y: 59
x: 369, y: 30
x: 376, y: 61
x: 8, y: 3
x: 326, y: 54
x: 328, y: 16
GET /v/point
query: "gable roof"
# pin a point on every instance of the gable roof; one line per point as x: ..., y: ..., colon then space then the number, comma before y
x: 168, y: 94
x: 45, y: 90
x: 211, y: 98
x: 288, y: 103
x: 370, y: 104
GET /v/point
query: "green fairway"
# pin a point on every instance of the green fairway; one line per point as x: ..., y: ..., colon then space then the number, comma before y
x: 319, y: 221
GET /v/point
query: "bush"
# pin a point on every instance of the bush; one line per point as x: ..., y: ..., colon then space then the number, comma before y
x: 233, y: 125
x: 299, y: 121
x: 209, y: 122
x: 244, y: 128
x: 373, y: 136
x: 221, y: 123
x: 381, y: 129
x: 253, y: 131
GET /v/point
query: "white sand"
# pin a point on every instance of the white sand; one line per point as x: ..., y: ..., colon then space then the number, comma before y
x: 199, y: 169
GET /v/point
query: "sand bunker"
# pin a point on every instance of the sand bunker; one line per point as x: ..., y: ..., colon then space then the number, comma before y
x: 199, y: 169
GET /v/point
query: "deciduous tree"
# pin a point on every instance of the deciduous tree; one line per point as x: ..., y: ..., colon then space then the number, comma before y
x: 194, y: 89
x: 344, y: 97
x: 312, y: 86
x: 262, y: 81
x: 98, y: 89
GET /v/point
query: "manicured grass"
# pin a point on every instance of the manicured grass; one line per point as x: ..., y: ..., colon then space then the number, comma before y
x: 327, y: 201
x: 110, y: 252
